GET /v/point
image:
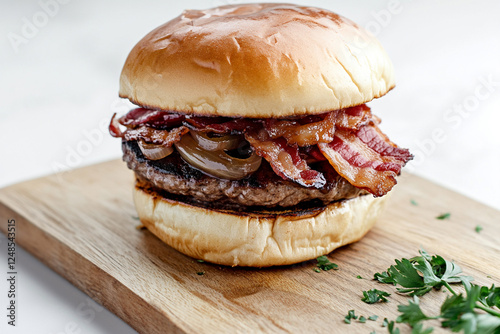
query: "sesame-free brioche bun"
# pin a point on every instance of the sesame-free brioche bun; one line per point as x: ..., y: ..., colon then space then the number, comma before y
x: 256, y: 239
x: 257, y: 61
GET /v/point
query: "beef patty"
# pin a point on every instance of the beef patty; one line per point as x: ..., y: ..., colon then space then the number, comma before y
x: 262, y: 188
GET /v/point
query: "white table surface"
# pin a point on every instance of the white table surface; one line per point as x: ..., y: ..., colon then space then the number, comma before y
x: 59, y: 84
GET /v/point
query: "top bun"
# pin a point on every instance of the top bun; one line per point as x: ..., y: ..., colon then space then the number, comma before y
x: 256, y: 60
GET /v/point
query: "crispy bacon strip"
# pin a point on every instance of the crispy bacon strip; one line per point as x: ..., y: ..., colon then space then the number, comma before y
x: 153, y: 118
x: 362, y: 166
x: 380, y: 143
x: 348, y: 138
x: 147, y: 134
x: 149, y: 126
x: 313, y: 154
x: 221, y: 125
x: 285, y: 159
x: 155, y: 136
x: 311, y: 130
x: 354, y: 118
x: 114, y: 127
x: 306, y: 134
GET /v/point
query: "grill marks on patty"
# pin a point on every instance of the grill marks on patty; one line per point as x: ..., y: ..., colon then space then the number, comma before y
x: 263, y: 188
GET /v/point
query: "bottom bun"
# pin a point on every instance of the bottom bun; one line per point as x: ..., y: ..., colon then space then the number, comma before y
x: 259, y: 238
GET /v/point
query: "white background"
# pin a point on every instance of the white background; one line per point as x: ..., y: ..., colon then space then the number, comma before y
x: 59, y: 83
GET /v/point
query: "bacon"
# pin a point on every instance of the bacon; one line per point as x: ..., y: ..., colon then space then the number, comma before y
x: 306, y: 134
x: 221, y: 125
x: 361, y: 165
x: 147, y: 134
x: 348, y: 138
x: 311, y: 130
x: 155, y: 136
x: 153, y: 118
x: 285, y: 159
x: 313, y: 154
x: 114, y: 127
x: 355, y: 117
x: 380, y: 143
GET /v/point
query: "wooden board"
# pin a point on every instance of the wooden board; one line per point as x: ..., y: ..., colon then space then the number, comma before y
x: 82, y: 225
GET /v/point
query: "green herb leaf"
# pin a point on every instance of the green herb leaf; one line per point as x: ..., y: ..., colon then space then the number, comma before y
x: 392, y: 329
x: 359, y: 277
x: 405, y: 274
x: 489, y: 296
x: 452, y: 308
x: 373, y: 317
x: 413, y: 202
x: 373, y: 296
x: 458, y: 312
x: 325, y: 264
x: 350, y: 315
x: 418, y: 275
x: 317, y: 270
x: 487, y: 323
x: 437, y: 271
x: 200, y: 273
x: 411, y: 314
x: 478, y: 228
x: 476, y: 312
x: 384, y: 277
x: 419, y: 329
x: 444, y: 216
x: 362, y: 319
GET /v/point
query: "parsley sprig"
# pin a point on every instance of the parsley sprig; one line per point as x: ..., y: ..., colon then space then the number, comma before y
x: 476, y: 311
x: 411, y: 313
x: 419, y: 275
x: 458, y: 312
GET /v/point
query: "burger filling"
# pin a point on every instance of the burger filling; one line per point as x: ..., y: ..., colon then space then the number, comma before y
x: 261, y: 162
x: 262, y: 188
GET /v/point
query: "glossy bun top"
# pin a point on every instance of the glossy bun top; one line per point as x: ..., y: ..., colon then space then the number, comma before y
x: 256, y: 60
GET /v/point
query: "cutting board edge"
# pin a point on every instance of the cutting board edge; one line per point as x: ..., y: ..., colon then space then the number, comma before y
x: 156, y: 323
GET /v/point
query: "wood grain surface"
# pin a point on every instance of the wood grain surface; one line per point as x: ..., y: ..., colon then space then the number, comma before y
x: 82, y: 225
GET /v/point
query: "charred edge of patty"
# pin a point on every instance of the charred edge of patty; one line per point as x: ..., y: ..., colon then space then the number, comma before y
x: 303, y: 210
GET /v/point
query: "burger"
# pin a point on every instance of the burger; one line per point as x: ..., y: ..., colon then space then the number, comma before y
x: 252, y: 144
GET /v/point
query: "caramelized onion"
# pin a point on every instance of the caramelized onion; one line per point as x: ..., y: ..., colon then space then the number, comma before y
x: 229, y: 142
x: 216, y: 163
x: 155, y: 152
